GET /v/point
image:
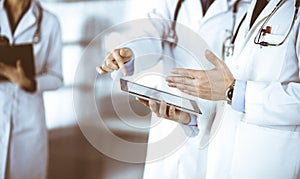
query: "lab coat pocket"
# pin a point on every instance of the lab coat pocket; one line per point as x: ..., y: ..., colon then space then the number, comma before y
x: 273, y: 38
x: 278, y: 96
x: 262, y: 152
x: 263, y: 66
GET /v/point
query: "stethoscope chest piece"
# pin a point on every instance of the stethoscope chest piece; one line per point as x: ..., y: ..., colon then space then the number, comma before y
x: 36, y: 38
x: 171, y: 38
x: 228, y: 49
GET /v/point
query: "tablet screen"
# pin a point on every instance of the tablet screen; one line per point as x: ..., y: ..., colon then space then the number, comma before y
x: 147, y: 93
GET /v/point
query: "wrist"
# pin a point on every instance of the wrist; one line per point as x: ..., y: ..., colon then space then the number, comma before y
x: 28, y: 85
x: 193, y: 120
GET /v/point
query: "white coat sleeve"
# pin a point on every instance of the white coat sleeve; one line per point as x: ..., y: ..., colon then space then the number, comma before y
x: 51, y: 77
x: 146, y: 43
x: 276, y: 103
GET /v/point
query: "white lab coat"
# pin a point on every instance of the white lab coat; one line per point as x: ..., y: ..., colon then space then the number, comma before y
x: 23, y: 133
x: 188, y: 160
x: 264, y: 141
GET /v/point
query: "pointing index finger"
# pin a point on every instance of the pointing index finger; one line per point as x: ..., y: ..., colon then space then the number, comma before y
x: 120, y: 62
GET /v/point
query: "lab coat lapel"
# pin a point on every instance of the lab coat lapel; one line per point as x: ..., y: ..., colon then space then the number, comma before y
x: 5, y: 27
x: 28, y: 20
x: 266, y: 11
x: 217, y: 7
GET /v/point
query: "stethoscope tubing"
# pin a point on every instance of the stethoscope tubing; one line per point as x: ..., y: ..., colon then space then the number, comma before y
x: 263, y: 43
x: 172, y: 31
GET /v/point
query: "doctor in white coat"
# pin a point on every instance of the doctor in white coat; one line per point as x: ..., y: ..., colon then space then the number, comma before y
x: 190, y: 160
x: 23, y: 132
x: 258, y: 135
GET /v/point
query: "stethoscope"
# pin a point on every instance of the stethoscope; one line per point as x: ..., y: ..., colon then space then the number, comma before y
x: 228, y: 46
x: 171, y: 36
x: 36, y: 38
x: 257, y: 39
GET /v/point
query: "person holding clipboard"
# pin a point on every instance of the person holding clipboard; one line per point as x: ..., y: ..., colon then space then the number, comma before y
x: 30, y: 63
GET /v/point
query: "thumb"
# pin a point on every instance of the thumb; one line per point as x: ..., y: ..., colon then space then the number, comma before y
x: 126, y: 52
x: 213, y: 59
x: 18, y: 64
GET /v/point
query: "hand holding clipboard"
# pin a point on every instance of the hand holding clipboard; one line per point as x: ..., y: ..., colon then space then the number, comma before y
x: 17, y: 65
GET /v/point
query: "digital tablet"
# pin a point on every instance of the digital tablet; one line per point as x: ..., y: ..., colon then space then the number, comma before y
x: 146, y: 93
x: 10, y: 54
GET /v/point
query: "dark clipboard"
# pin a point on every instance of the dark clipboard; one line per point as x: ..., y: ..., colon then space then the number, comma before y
x: 145, y: 92
x: 10, y: 54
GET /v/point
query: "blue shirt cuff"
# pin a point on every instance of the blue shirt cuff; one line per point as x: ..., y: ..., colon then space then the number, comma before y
x: 238, y: 99
x: 130, y: 66
x: 193, y: 121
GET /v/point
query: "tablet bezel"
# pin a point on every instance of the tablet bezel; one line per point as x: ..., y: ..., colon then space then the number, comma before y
x: 195, y: 110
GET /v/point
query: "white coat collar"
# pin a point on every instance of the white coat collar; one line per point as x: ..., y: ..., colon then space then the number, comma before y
x: 266, y: 11
x: 28, y: 20
x: 220, y: 6
x: 248, y: 33
x: 217, y: 7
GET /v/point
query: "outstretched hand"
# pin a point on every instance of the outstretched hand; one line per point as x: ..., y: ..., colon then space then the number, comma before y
x: 206, y: 84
